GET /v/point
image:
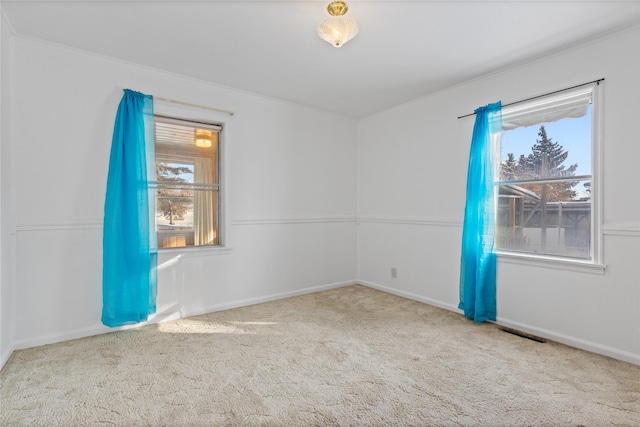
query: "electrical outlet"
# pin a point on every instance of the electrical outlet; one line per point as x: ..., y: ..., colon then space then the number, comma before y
x: 394, y: 272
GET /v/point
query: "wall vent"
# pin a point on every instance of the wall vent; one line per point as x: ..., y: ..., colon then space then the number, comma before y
x: 524, y: 335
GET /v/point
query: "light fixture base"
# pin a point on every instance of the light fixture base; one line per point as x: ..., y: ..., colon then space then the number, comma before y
x: 337, y: 8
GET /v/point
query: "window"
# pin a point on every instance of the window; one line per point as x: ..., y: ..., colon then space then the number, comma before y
x: 546, y: 189
x: 188, y: 183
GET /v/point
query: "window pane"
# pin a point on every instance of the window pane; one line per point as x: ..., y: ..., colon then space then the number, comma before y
x: 541, y: 219
x: 548, y: 150
x: 174, y: 218
x: 174, y: 173
x: 187, y: 183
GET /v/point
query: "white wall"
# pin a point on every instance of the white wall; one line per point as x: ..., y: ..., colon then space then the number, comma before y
x: 291, y: 189
x: 412, y: 163
x: 7, y: 313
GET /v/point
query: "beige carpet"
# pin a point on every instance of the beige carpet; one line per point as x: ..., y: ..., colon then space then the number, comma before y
x: 349, y: 356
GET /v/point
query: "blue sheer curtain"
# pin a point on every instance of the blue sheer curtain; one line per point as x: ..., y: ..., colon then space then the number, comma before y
x: 478, y: 260
x: 130, y: 244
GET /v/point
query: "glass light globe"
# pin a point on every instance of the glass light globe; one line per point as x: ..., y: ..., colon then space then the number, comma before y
x: 337, y: 30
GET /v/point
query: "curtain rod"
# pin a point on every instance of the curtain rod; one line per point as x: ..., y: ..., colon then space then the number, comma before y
x: 204, y: 107
x: 540, y: 96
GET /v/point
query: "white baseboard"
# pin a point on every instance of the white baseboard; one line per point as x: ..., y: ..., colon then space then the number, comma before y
x: 410, y: 295
x: 572, y: 341
x: 259, y: 300
x: 4, y: 357
x: 542, y: 333
x: 98, y: 328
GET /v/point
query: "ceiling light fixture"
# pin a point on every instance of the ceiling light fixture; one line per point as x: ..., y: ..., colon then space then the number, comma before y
x: 337, y: 29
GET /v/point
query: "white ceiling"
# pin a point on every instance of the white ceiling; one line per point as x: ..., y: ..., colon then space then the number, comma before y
x: 405, y: 49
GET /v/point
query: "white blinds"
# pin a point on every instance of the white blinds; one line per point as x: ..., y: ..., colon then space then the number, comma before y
x: 566, y: 104
x: 179, y: 132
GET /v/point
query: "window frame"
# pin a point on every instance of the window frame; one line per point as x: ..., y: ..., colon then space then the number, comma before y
x: 197, y: 115
x: 595, y: 263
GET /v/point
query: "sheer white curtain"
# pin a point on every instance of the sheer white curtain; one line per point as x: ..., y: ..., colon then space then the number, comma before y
x: 203, y: 211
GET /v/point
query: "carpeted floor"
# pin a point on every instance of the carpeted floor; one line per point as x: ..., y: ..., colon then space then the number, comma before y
x: 349, y: 356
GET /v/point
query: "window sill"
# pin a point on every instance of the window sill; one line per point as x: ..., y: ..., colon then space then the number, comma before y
x: 193, y: 251
x: 551, y: 262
